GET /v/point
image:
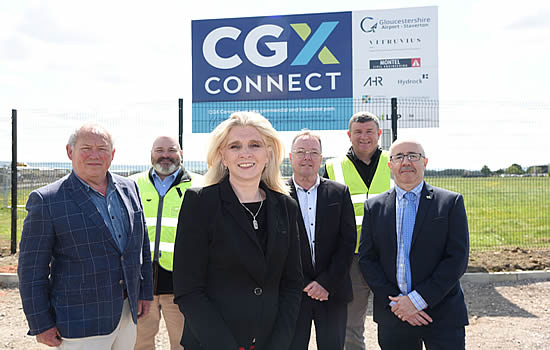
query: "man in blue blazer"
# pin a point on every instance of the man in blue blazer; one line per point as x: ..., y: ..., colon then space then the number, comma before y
x: 84, y: 264
x: 413, y: 250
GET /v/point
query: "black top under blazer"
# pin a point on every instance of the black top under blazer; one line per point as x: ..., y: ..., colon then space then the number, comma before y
x: 438, y: 256
x: 229, y: 290
x: 335, y: 239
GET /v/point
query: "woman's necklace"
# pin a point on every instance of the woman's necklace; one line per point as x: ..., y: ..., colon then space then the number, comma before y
x: 254, y: 222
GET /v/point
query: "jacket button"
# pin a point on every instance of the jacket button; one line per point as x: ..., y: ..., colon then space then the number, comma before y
x: 258, y: 291
x: 121, y: 282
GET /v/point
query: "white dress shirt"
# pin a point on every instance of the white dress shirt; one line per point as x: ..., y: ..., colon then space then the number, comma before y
x: 308, y: 206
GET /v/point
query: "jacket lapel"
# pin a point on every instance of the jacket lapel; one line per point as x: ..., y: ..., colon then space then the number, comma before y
x: 274, y: 216
x: 78, y: 193
x: 426, y: 200
x: 390, y: 212
x: 125, y: 195
x: 235, y: 209
x: 254, y: 261
x: 321, y: 212
x: 304, y: 240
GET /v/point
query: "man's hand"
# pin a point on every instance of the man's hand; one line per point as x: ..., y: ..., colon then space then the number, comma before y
x: 316, y: 291
x: 143, y: 307
x: 405, y: 310
x: 51, y: 337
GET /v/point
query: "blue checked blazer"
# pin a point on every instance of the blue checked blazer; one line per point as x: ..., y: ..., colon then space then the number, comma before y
x: 72, y: 274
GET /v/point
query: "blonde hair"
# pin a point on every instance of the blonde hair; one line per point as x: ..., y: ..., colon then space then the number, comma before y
x: 271, y: 175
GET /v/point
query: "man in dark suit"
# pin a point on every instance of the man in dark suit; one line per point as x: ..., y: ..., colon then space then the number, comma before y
x: 413, y: 251
x: 327, y: 242
x: 84, y: 265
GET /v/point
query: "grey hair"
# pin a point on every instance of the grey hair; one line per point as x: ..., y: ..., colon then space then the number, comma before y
x: 363, y: 117
x: 93, y: 129
x: 309, y: 133
x: 413, y: 141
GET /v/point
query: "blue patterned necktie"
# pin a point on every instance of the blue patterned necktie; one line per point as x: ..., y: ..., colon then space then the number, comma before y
x: 409, y: 216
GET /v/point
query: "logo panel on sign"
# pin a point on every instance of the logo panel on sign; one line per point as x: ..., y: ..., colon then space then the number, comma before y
x: 300, y: 56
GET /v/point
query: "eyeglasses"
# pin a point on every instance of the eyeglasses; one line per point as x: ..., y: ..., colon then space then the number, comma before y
x: 413, y: 157
x: 301, y: 153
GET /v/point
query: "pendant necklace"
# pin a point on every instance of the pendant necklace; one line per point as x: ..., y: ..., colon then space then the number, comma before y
x: 254, y: 222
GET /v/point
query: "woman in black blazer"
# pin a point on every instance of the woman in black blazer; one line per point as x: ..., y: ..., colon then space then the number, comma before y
x: 237, y: 269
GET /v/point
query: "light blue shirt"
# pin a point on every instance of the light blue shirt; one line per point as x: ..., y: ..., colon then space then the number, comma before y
x: 163, y: 186
x: 308, y: 206
x: 400, y: 203
x: 112, y: 210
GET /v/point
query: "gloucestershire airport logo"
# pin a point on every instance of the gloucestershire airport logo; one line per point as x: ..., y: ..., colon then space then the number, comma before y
x: 368, y: 25
x: 313, y: 43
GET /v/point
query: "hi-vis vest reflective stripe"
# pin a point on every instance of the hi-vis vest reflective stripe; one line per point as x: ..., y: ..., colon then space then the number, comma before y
x: 163, y: 211
x: 343, y: 171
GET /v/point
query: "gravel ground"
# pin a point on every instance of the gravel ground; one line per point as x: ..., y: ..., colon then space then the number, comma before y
x: 503, y: 315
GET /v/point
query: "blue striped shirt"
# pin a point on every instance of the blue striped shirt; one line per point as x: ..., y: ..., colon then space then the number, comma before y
x: 400, y: 203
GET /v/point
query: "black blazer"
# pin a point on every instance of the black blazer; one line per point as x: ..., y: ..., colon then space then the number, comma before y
x: 438, y: 256
x: 228, y: 290
x: 335, y: 239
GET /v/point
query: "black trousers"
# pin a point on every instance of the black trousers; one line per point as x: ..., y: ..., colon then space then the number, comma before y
x: 411, y: 338
x: 330, y: 324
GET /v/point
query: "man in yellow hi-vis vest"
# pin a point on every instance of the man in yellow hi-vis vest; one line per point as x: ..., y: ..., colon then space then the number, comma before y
x: 162, y: 188
x: 364, y: 169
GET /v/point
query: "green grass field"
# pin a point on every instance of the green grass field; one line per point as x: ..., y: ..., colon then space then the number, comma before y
x: 511, y: 211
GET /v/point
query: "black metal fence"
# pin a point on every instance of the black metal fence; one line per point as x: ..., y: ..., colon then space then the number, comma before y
x: 505, y: 209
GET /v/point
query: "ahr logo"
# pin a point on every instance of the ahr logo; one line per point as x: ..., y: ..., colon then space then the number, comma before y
x: 374, y: 81
x: 279, y: 48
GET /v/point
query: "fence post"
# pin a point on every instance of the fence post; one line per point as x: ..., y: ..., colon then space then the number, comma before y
x: 13, y: 181
x: 180, y: 120
x: 394, y: 118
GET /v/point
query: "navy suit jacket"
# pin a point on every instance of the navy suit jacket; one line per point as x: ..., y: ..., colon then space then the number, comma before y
x: 438, y: 255
x: 72, y: 275
x: 335, y: 239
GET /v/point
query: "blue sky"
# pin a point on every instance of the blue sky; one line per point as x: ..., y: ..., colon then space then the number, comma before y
x: 67, y: 57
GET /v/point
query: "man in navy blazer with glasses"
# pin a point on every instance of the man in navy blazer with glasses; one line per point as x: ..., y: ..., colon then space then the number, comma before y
x: 84, y: 264
x: 413, y: 250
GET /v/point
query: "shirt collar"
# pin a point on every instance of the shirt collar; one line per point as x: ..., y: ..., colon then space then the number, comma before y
x: 317, y: 182
x: 110, y: 183
x: 416, y: 190
x: 170, y: 177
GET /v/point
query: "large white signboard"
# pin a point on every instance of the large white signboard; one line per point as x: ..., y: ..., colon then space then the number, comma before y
x: 300, y: 69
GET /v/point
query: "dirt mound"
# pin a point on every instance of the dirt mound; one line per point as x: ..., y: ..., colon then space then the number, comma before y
x: 509, y: 259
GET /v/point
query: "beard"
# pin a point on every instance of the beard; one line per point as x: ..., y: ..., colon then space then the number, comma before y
x: 166, y: 170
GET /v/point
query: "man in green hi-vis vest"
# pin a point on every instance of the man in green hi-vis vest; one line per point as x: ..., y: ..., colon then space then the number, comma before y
x: 364, y: 169
x: 162, y: 188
